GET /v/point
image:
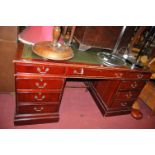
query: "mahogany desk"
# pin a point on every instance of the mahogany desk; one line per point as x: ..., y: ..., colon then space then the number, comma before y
x: 40, y: 84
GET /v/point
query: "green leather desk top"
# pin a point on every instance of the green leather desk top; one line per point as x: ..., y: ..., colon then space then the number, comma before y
x: 84, y: 57
x: 89, y: 57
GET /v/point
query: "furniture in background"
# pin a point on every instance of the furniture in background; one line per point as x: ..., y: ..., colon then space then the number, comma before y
x: 40, y: 84
x: 145, y: 44
x: 8, y: 45
x: 68, y: 36
x: 101, y: 36
x: 148, y: 95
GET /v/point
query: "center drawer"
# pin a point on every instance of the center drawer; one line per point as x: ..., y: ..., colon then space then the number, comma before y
x: 38, y: 97
x: 39, y: 83
x: 93, y: 72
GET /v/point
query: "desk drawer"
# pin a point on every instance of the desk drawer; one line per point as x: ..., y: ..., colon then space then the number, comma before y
x: 40, y: 69
x: 39, y: 97
x: 118, y: 104
x: 104, y: 73
x: 130, y: 85
x: 92, y: 72
x: 39, y: 83
x: 137, y: 75
x: 75, y: 71
x: 127, y: 95
x: 30, y: 109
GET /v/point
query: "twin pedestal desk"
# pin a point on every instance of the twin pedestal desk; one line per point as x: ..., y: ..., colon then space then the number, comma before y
x: 40, y: 84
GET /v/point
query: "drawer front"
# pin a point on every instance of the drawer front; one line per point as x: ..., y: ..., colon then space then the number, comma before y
x: 75, y: 71
x: 30, y: 109
x: 130, y: 85
x: 39, y: 83
x: 118, y: 104
x: 39, y: 97
x: 127, y: 95
x: 104, y: 73
x: 138, y: 75
x: 89, y: 72
x: 40, y: 69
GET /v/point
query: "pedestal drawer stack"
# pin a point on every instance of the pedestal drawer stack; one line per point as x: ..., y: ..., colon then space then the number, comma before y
x: 127, y: 93
x: 116, y: 96
x: 128, y: 90
x: 38, y: 93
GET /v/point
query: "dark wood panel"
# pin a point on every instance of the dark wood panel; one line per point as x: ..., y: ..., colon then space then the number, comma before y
x: 79, y: 32
x: 98, y: 36
x: 106, y: 89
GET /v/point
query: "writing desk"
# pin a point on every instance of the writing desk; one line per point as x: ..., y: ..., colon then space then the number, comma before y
x: 40, y: 84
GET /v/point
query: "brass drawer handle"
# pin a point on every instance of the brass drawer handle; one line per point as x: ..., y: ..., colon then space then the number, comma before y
x: 140, y: 75
x: 123, y: 104
x: 128, y: 95
x: 41, y: 86
x: 134, y: 85
x: 119, y: 75
x: 81, y: 72
x: 38, y: 109
x: 43, y: 70
x: 39, y: 99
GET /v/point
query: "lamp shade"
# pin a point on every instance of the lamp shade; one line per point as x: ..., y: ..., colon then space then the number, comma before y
x: 34, y: 34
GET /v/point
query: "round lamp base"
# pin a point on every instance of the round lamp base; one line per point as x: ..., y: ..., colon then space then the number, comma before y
x: 46, y: 50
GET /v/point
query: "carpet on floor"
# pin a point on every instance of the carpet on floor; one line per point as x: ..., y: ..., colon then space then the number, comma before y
x: 78, y: 111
